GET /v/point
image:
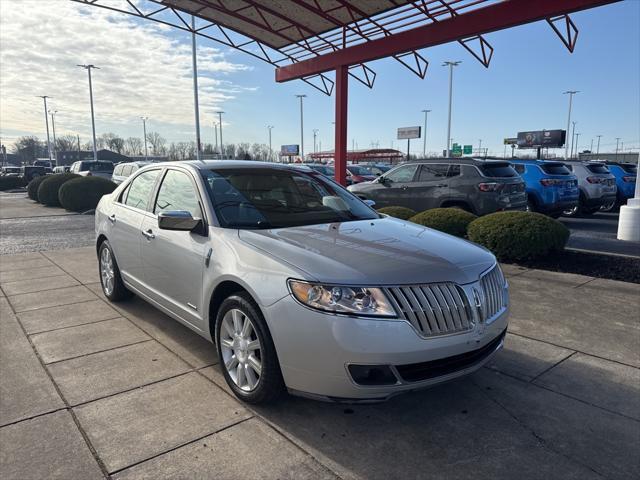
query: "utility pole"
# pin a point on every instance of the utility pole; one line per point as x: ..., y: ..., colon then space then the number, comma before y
x: 573, y: 134
x: 270, y: 127
x: 78, y: 147
x: 301, y: 127
x: 93, y: 122
x: 144, y: 133
x: 46, y: 121
x: 53, y: 126
x: 598, y: 148
x: 220, y: 112
x: 450, y: 65
x: 424, y: 140
x: 617, y: 143
x: 480, y: 146
x: 577, y: 148
x: 194, y: 62
x: 571, y: 93
x: 215, y: 132
x: 315, y: 134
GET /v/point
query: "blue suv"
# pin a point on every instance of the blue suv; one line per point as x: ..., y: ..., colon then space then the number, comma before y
x: 625, y: 174
x: 551, y: 187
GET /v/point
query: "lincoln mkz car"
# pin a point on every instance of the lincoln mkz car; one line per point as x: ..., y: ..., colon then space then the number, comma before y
x: 300, y: 285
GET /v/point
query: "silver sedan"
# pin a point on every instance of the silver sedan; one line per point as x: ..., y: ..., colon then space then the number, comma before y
x: 299, y: 284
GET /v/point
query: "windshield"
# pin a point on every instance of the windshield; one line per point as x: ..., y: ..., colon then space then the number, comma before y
x: 498, y: 170
x: 325, y: 170
x: 258, y: 198
x: 555, y: 169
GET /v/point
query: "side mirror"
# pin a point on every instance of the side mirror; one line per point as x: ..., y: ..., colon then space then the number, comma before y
x: 369, y: 203
x: 382, y: 179
x: 177, y: 220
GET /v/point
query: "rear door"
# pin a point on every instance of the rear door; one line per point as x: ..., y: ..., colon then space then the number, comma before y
x: 126, y: 220
x: 174, y: 260
x: 431, y: 188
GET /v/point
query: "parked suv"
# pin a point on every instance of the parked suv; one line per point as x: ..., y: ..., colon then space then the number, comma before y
x: 597, y: 187
x: 122, y: 171
x: 477, y: 186
x: 625, y: 175
x: 88, y: 168
x: 551, y: 187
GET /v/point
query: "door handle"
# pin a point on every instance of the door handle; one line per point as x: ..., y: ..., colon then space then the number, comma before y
x: 404, y: 187
x: 112, y: 218
x: 149, y: 234
x: 442, y: 185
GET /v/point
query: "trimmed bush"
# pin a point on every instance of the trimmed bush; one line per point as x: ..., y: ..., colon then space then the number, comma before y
x: 84, y: 193
x: 10, y: 182
x: 48, y: 189
x: 402, y: 213
x: 513, y: 236
x: 453, y: 221
x: 32, y: 188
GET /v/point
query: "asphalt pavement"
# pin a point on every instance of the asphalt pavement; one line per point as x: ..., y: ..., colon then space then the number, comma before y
x: 598, y: 233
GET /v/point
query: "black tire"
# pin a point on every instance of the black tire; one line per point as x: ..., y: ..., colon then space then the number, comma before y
x: 118, y: 291
x: 531, y: 205
x: 270, y: 385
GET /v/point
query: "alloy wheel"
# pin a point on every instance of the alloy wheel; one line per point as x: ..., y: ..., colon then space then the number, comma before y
x: 107, y: 271
x: 241, y: 350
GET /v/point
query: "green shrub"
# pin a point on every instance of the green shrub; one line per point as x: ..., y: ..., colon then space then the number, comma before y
x: 48, y: 189
x: 32, y: 188
x: 453, y: 221
x: 11, y: 182
x: 513, y: 236
x: 84, y: 193
x: 398, y: 212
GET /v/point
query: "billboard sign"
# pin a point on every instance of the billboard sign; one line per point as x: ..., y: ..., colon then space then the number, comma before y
x: 542, y: 138
x: 405, y: 133
x: 290, y: 150
x: 510, y: 141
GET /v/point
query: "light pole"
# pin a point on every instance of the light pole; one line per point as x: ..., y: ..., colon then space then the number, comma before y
x: 194, y: 62
x: 571, y: 93
x: 53, y: 127
x: 220, y: 112
x: 577, y: 135
x: 573, y: 134
x: 215, y: 132
x: 424, y: 140
x: 315, y: 134
x: 598, y: 147
x: 46, y: 121
x: 270, y: 127
x: 144, y: 133
x: 301, y: 127
x: 93, y: 121
x: 617, y: 143
x: 480, y: 146
x: 450, y: 65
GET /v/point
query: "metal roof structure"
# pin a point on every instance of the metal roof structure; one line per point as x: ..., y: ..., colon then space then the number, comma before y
x: 364, y: 155
x: 306, y: 39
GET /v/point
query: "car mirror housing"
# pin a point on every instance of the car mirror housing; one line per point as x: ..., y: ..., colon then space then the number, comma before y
x: 178, y: 220
x: 370, y: 203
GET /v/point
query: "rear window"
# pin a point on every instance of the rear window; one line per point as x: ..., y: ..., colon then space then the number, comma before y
x: 555, y: 169
x: 629, y: 168
x: 100, y: 167
x: 597, y: 168
x: 498, y: 170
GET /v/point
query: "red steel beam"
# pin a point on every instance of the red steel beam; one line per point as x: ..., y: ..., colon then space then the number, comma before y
x: 499, y: 16
x: 342, y: 92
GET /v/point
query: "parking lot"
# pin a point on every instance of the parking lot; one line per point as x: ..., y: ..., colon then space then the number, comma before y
x: 91, y: 389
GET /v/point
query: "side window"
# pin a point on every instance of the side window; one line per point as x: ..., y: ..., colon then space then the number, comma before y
x: 519, y: 168
x: 178, y: 193
x: 403, y: 174
x: 140, y: 189
x: 429, y: 172
x: 118, y: 169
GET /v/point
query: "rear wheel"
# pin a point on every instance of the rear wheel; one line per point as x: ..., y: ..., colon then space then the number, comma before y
x: 246, y: 352
x: 531, y: 206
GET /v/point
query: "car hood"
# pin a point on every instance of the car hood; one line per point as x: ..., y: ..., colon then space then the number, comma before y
x: 384, y: 251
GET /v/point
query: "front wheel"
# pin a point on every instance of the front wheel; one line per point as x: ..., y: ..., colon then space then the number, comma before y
x: 110, y: 279
x: 246, y: 351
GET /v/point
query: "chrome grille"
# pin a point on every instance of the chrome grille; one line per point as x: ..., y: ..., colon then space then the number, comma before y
x: 433, y: 309
x: 492, y: 284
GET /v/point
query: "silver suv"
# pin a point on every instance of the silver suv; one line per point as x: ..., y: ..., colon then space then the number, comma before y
x: 597, y: 187
x: 300, y: 284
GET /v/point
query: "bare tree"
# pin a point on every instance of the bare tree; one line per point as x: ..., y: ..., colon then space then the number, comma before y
x: 116, y: 144
x: 133, y: 146
x: 157, y: 143
x: 66, y: 143
x: 29, y: 148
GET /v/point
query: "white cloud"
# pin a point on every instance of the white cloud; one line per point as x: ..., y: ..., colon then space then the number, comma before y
x: 145, y: 69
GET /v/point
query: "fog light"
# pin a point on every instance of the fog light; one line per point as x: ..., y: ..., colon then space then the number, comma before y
x: 372, y: 375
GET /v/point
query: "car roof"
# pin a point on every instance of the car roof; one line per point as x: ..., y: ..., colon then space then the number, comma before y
x: 462, y: 161
x: 536, y: 162
x: 235, y: 164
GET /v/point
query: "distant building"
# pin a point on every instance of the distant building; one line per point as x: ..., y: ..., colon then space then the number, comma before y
x: 10, y: 159
x: 148, y: 158
x: 70, y: 156
x: 372, y: 155
x: 629, y: 157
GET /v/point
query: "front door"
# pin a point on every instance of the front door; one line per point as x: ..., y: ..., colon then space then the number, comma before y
x: 174, y: 260
x: 396, y: 188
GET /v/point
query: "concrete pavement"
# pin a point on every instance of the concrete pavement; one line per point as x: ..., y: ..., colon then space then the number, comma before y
x: 92, y: 390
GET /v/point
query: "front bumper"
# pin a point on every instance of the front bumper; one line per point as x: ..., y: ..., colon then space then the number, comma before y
x: 316, y: 349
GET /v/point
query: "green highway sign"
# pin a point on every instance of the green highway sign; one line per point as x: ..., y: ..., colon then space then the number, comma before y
x: 467, y: 149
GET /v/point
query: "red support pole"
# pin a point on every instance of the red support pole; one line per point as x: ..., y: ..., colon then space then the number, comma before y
x: 342, y: 90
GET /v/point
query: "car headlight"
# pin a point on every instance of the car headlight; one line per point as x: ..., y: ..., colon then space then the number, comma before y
x: 363, y: 301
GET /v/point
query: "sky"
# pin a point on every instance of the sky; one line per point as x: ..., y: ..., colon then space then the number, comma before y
x: 145, y: 70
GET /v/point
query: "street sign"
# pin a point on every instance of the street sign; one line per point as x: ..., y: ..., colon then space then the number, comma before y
x: 467, y: 149
x: 456, y: 150
x: 542, y: 138
x: 406, y: 133
x: 290, y: 150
